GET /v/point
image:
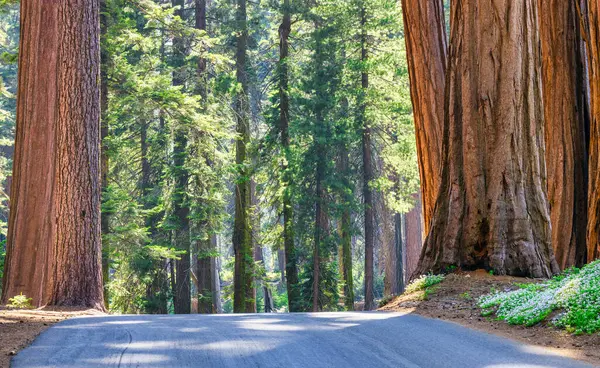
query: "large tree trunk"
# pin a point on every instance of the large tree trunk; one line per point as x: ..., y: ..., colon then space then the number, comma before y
x: 492, y: 210
x: 593, y: 229
x: 54, y: 247
x: 426, y: 50
x: 181, y: 210
x: 243, y: 291
x: 367, y: 170
x: 291, y: 268
x: 566, y: 113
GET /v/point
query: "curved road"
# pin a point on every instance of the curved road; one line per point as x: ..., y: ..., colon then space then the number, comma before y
x: 277, y: 340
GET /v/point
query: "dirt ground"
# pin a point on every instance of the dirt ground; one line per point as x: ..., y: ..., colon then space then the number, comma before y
x: 455, y: 300
x: 18, y: 328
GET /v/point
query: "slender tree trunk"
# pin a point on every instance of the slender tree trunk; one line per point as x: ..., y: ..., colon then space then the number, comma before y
x: 291, y: 270
x: 492, y: 210
x: 593, y: 228
x: 426, y: 50
x: 367, y: 169
x: 345, y: 229
x: 243, y: 290
x: 181, y: 210
x: 54, y: 248
x: 389, y: 248
x: 400, y: 254
x: 413, y: 233
x: 205, y: 258
x: 321, y: 225
x: 321, y: 229
x: 104, y: 216
x: 566, y: 113
x: 215, y: 267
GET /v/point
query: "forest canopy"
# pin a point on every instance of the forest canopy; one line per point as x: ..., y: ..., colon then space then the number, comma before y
x: 187, y: 86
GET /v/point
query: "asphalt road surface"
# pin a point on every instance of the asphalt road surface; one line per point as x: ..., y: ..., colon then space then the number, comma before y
x: 277, y: 340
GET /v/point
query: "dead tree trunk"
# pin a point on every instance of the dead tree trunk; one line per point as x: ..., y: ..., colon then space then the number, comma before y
x: 54, y: 247
x: 492, y: 210
x: 566, y: 113
x: 593, y: 228
x: 426, y: 50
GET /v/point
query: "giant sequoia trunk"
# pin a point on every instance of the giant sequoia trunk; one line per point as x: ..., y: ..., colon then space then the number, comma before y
x: 243, y: 291
x: 53, y: 245
x: 492, y: 209
x: 291, y: 268
x: 426, y: 51
x: 593, y: 229
x: 566, y: 113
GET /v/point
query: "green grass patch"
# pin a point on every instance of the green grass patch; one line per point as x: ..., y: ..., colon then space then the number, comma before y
x: 573, y: 298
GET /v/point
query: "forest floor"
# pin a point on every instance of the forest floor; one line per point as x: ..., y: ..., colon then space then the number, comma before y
x: 19, y: 327
x: 455, y: 300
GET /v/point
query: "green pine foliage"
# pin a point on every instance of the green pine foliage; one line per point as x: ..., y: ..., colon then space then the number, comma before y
x: 146, y: 111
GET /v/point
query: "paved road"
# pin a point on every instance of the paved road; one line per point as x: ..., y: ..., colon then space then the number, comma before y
x: 277, y: 340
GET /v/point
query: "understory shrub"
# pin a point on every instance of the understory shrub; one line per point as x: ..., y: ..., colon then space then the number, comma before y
x: 20, y: 302
x: 424, y: 282
x: 572, y: 298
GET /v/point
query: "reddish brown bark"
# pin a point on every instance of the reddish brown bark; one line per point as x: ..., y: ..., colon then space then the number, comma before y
x: 413, y: 231
x: 492, y: 209
x: 566, y: 114
x: 54, y: 247
x: 593, y: 229
x: 426, y: 48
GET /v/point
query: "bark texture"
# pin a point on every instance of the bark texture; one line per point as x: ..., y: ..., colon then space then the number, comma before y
x: 593, y: 229
x: 413, y: 234
x: 426, y: 48
x: 492, y: 210
x: 566, y: 113
x: 53, y: 245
